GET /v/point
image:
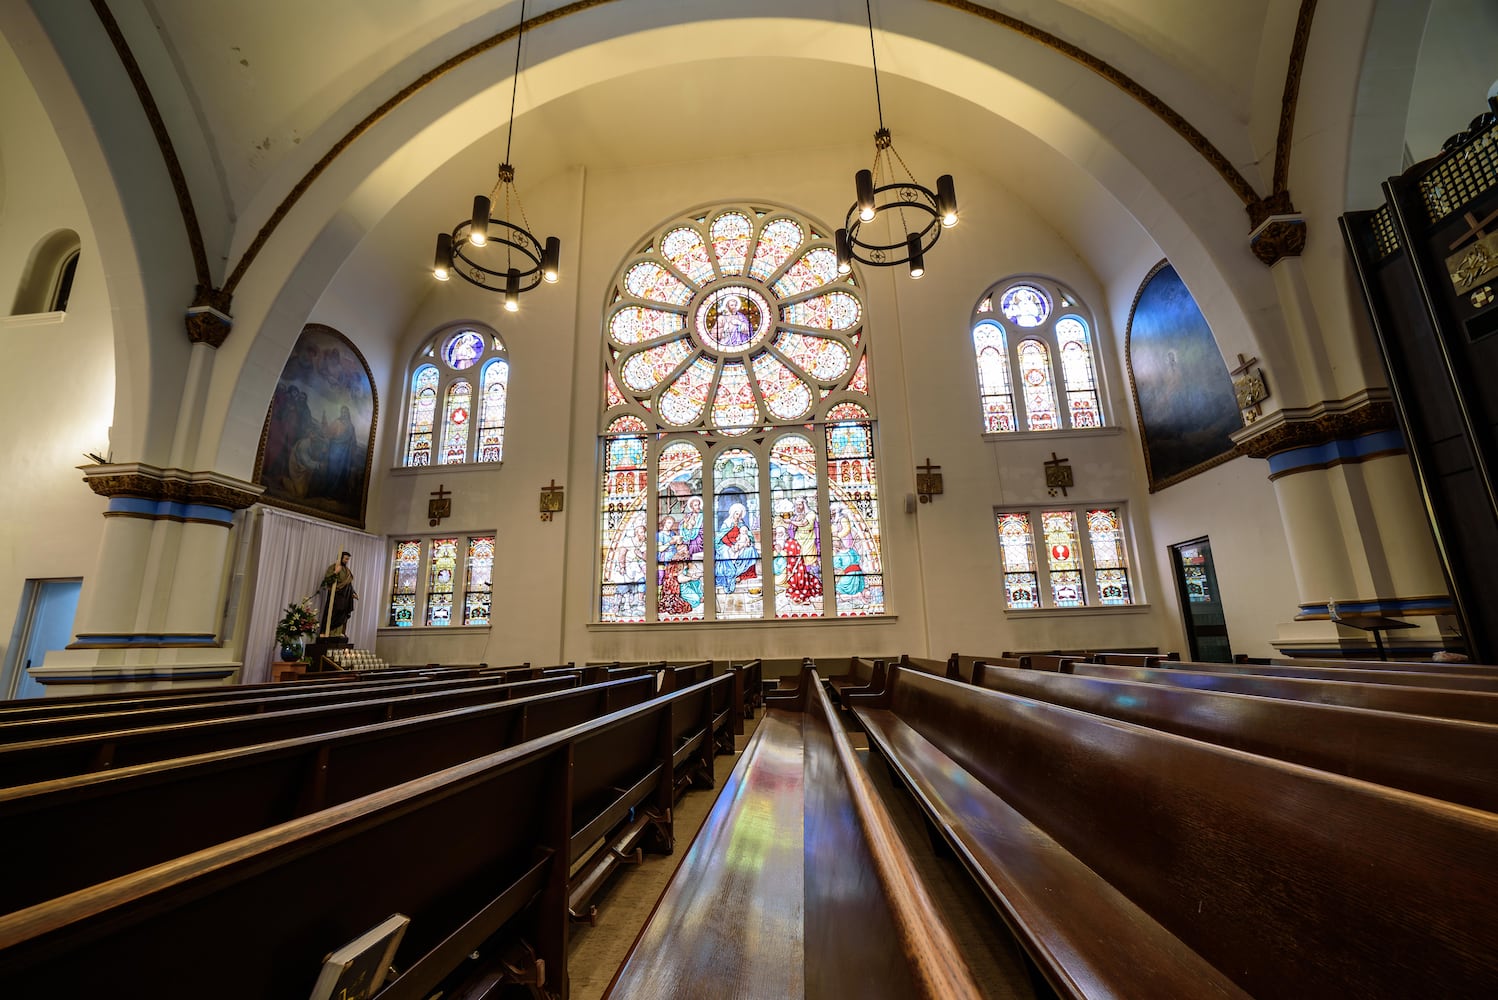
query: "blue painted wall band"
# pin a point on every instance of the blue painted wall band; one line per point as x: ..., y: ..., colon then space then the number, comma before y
x: 1341, y: 450
x: 142, y: 639
x: 164, y: 509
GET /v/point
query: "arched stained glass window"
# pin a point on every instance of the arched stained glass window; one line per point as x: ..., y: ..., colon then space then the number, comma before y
x: 496, y: 384
x: 994, y: 388
x: 1076, y: 372
x: 1038, y: 325
x: 1039, y: 389
x: 444, y: 372
x: 857, y: 563
x: 625, y: 547
x: 423, y: 416
x: 455, y: 420
x: 733, y: 352
x: 679, y: 534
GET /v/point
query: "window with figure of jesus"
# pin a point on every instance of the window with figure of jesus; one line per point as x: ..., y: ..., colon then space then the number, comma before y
x: 455, y: 400
x: 738, y: 414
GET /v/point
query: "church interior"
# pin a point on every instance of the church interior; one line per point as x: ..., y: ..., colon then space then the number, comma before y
x: 1111, y: 383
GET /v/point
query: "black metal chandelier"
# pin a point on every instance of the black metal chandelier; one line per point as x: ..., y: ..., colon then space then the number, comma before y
x: 498, y: 254
x: 909, y: 208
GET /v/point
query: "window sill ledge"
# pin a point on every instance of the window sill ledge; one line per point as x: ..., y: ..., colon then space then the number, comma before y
x: 418, y: 470
x: 385, y: 631
x: 743, y: 623
x: 33, y: 319
x: 1120, y: 609
x: 1065, y: 432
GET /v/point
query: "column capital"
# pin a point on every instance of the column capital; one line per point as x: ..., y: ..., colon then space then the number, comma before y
x: 166, y: 488
x: 1369, y: 411
x: 1278, y: 237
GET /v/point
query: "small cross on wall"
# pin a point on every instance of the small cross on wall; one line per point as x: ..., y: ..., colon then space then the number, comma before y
x: 440, y: 506
x: 551, y: 500
x: 1058, y: 475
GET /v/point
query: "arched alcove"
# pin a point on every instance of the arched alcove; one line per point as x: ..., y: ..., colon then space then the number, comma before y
x: 47, y: 280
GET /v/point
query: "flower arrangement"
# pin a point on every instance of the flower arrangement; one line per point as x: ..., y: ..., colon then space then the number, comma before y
x: 298, y: 620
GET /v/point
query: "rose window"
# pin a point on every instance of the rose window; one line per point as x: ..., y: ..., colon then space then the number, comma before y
x: 734, y: 321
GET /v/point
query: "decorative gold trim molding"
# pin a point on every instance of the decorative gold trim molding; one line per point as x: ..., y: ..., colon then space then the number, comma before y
x: 1278, y: 237
x: 1297, y: 63
x: 1366, y: 412
x: 147, y: 482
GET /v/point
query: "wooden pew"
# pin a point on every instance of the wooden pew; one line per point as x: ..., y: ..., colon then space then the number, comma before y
x: 863, y: 674
x: 153, y: 715
x: 1419, y: 666
x: 477, y: 855
x: 677, y: 677
x: 155, y: 812
x: 1133, y: 659
x: 1475, y: 706
x: 1456, y: 682
x: 1137, y: 863
x: 14, y: 711
x: 839, y: 912
x: 40, y: 760
x: 1447, y: 759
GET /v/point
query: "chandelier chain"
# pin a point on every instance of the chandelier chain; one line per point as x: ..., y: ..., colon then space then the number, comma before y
x: 515, y: 81
x: 878, y: 102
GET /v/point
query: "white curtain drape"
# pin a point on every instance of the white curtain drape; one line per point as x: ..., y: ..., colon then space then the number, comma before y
x: 293, y: 554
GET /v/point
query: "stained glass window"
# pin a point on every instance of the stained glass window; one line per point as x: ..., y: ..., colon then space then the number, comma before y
x: 455, y: 419
x: 479, y: 577
x: 1063, y: 557
x: 733, y: 348
x: 1038, y: 326
x: 423, y: 416
x: 797, y: 538
x: 994, y: 388
x: 679, y: 534
x: 625, y: 488
x: 496, y: 379
x: 1066, y: 577
x: 1109, y: 565
x: 433, y: 598
x: 442, y: 570
x: 857, y: 563
x: 738, y: 581
x: 1017, y: 551
x: 453, y: 385
x: 1076, y: 372
x: 405, y: 565
x: 1025, y: 306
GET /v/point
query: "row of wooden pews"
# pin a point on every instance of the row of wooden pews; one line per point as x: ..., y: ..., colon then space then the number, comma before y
x: 798, y: 884
x: 225, y: 845
x: 1145, y: 830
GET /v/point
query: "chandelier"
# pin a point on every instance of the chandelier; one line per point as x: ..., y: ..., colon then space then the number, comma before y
x: 499, y: 254
x: 909, y: 208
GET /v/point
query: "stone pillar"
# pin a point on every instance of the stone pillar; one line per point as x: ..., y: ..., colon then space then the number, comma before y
x: 151, y: 611
x: 1357, y: 532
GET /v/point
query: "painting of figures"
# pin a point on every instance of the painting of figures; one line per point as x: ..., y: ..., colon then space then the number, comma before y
x: 316, y: 448
x: 1183, y: 395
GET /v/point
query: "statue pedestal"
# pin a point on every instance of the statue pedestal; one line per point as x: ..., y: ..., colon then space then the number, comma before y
x: 317, y: 651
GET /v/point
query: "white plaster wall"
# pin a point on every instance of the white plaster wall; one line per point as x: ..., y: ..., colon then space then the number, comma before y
x: 944, y: 586
x: 58, y: 382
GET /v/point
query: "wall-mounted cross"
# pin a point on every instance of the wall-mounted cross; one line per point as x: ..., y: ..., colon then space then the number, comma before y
x: 1243, y: 365
x: 439, y: 506
x: 928, y: 482
x: 1058, y: 475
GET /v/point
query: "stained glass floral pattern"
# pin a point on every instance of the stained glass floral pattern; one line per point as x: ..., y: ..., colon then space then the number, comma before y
x: 1076, y: 372
x: 1064, y: 560
x: 405, y: 565
x: 733, y: 336
x: 479, y: 573
x: 1109, y: 565
x: 995, y: 392
x: 1039, y: 389
x: 496, y: 381
x: 442, y: 567
x: 1017, y: 552
x: 1065, y: 577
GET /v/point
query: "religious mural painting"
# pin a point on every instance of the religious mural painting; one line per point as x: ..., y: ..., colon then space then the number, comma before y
x: 737, y: 406
x: 318, y: 441
x: 1183, y: 395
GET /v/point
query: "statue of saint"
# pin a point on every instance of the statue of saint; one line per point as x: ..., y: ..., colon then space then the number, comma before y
x: 338, y: 605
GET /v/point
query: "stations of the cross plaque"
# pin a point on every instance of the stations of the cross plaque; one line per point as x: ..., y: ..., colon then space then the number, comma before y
x: 440, y: 506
